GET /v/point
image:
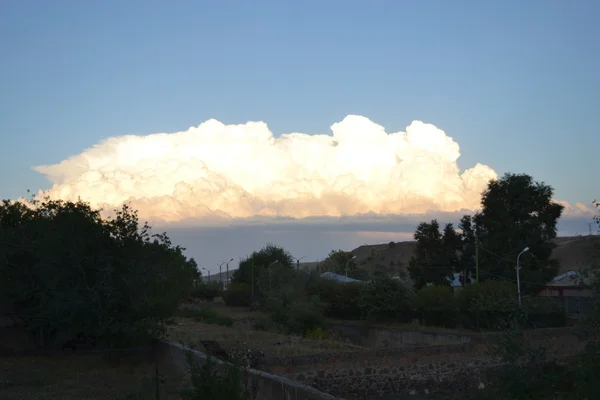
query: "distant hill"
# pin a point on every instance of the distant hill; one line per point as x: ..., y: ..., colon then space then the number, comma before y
x: 573, y: 252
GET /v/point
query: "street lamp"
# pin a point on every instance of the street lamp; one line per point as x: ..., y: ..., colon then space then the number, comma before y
x: 348, y: 262
x: 227, y: 273
x: 525, y: 250
x: 298, y: 262
x: 221, y: 273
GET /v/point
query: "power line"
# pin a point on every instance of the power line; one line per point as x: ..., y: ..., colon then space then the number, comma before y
x: 504, y: 258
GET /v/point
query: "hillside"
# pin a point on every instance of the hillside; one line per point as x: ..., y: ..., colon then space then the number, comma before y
x: 573, y: 252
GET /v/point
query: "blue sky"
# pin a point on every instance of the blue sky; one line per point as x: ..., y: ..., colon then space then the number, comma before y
x: 515, y: 83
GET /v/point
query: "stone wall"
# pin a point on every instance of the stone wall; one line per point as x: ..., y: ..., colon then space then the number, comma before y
x: 268, y: 386
x: 377, y: 337
x: 370, y: 373
x: 380, y: 337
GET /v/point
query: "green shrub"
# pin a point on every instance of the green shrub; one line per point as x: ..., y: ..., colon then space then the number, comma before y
x: 297, y: 317
x: 215, y: 381
x: 385, y: 299
x: 304, y: 316
x: 265, y: 324
x: 345, y: 301
x: 205, y: 315
x: 315, y: 334
x: 279, y: 313
x: 238, y: 295
x: 544, y: 312
x: 207, y: 291
x: 71, y: 270
x: 436, y: 306
x: 488, y: 305
x: 326, y: 289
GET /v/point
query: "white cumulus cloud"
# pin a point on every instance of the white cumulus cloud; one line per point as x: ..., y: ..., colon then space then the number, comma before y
x: 241, y: 171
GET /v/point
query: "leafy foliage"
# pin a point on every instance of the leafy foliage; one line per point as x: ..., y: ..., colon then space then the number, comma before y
x: 342, y: 300
x: 544, y: 312
x: 238, y: 295
x: 215, y: 381
x: 205, y: 315
x: 468, y: 242
x: 342, y: 262
x: 487, y: 305
x: 385, y: 299
x: 303, y: 316
x: 435, y: 257
x: 518, y: 212
x: 207, y: 291
x: 527, y: 372
x: 252, y: 268
x: 68, y: 270
x: 436, y: 305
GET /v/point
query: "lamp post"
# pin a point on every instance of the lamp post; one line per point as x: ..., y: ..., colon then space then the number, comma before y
x: 348, y: 262
x: 252, y: 280
x: 227, y: 273
x: 525, y: 250
x: 221, y: 273
x: 298, y: 262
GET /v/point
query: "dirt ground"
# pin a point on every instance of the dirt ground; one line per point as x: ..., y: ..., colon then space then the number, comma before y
x: 190, y: 333
x: 83, y: 377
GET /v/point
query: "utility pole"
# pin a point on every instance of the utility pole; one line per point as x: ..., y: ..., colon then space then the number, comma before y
x: 298, y: 262
x: 525, y: 250
x: 221, y: 273
x: 476, y: 258
x: 227, y: 273
x: 347, y: 263
x: 590, y: 226
x: 252, y: 280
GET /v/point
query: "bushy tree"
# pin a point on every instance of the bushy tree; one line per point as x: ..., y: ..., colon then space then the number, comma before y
x: 487, y: 305
x: 208, y: 290
x: 385, y: 299
x: 340, y: 300
x: 342, y: 262
x: 238, y: 295
x: 435, y: 257
x: 436, y: 306
x: 518, y: 212
x: 67, y: 270
x: 468, y: 252
x: 252, y: 268
x: 301, y: 315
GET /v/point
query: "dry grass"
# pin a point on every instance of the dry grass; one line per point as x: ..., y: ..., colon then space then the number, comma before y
x: 236, y: 313
x: 575, y: 252
x: 190, y: 333
x: 407, y: 327
x: 82, y: 377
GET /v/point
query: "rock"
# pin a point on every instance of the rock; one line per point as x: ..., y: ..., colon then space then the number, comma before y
x: 249, y: 358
